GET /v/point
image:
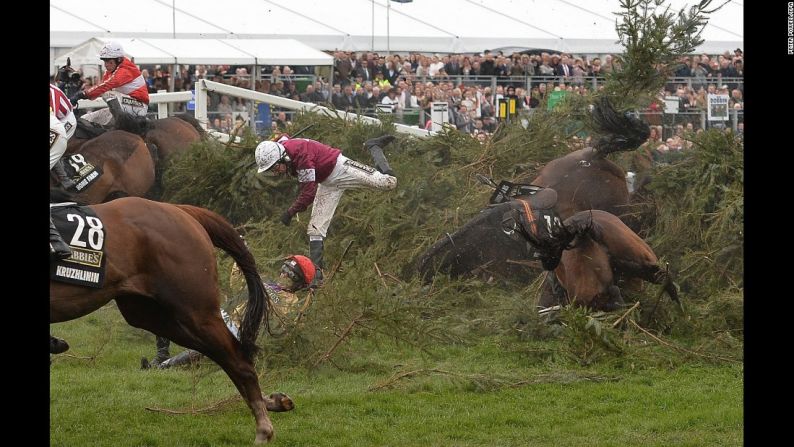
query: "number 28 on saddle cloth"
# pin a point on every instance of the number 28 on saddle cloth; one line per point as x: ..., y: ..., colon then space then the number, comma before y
x: 84, y: 232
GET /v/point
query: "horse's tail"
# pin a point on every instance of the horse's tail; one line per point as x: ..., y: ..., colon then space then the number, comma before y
x: 193, y: 122
x: 225, y: 237
x: 619, y: 131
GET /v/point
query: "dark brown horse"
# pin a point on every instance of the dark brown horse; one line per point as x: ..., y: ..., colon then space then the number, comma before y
x: 174, y: 134
x: 589, y: 252
x: 583, y: 179
x: 162, y: 272
x: 170, y: 135
x: 126, y: 163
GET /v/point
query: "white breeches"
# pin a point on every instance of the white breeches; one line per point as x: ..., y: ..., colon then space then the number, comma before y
x: 57, y: 140
x: 347, y: 174
x: 70, y: 124
x: 129, y: 105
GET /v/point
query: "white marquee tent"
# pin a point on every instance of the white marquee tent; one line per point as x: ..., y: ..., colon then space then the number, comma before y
x: 200, y: 51
x: 381, y: 25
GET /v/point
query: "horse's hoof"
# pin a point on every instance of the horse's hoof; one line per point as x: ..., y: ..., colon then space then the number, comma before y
x: 262, y: 439
x: 279, y: 402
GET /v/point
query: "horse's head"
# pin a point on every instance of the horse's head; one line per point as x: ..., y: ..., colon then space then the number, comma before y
x: 535, y: 219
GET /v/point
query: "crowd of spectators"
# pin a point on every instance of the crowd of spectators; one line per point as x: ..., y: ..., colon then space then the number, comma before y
x: 369, y: 81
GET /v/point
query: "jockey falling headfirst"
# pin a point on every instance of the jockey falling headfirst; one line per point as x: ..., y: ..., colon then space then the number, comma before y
x: 62, y: 108
x: 324, y: 174
x: 122, y: 87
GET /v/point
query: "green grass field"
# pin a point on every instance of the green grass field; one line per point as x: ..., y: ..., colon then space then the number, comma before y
x: 495, y: 391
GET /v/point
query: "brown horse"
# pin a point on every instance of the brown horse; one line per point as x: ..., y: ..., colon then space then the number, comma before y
x: 126, y: 163
x: 589, y: 252
x: 173, y: 135
x: 162, y: 272
x: 170, y: 135
x: 583, y: 180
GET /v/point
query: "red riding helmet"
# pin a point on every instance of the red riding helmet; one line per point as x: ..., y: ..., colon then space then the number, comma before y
x: 300, y: 270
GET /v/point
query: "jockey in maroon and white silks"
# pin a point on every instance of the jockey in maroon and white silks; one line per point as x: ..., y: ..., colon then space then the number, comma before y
x: 122, y: 80
x: 63, y: 110
x: 324, y: 174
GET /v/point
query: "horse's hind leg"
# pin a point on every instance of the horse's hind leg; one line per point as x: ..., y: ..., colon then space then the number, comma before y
x: 206, y: 333
x: 214, y: 340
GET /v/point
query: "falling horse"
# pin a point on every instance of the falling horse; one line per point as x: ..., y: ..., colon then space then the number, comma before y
x: 161, y: 270
x: 583, y: 180
x: 125, y: 162
x: 589, y: 252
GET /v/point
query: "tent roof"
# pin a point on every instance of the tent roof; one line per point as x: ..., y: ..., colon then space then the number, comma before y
x: 202, y: 51
x: 422, y: 25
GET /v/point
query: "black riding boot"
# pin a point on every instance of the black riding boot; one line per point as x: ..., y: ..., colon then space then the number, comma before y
x: 60, y: 171
x: 553, y: 293
x: 115, y: 109
x: 58, y: 345
x: 162, y: 350
x: 375, y: 147
x: 58, y: 248
x: 186, y: 357
x: 316, y: 255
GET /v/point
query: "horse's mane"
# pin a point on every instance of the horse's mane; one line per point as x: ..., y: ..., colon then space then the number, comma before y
x: 619, y: 131
x: 139, y: 125
x: 190, y: 119
x: 582, y: 224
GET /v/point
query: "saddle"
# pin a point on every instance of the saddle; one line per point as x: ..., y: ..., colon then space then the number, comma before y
x: 506, y: 191
x: 543, y: 199
x: 87, y: 130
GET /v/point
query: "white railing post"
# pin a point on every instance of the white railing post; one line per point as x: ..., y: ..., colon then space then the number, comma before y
x: 201, y: 103
x: 162, y: 108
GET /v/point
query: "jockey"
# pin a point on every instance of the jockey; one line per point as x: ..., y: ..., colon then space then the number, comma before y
x: 324, y: 174
x: 58, y: 248
x: 297, y: 272
x: 63, y: 110
x: 122, y: 87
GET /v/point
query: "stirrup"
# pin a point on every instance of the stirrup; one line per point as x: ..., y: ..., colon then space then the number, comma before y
x: 68, y: 183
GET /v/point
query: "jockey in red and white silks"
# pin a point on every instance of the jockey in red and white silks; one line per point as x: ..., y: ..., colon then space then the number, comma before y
x: 63, y: 110
x: 122, y: 80
x: 57, y: 139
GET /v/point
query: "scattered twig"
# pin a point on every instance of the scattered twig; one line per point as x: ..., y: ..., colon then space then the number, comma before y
x: 306, y: 303
x: 617, y: 322
x: 380, y: 275
x: 345, y: 334
x: 339, y: 262
x: 209, y: 409
x: 392, y: 277
x: 523, y: 262
x: 680, y: 349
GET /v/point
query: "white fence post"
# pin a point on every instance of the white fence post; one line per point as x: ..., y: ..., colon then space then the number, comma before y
x: 162, y: 108
x: 201, y: 103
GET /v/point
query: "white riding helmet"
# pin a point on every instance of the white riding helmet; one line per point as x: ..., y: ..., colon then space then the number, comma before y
x: 111, y: 50
x: 268, y: 153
